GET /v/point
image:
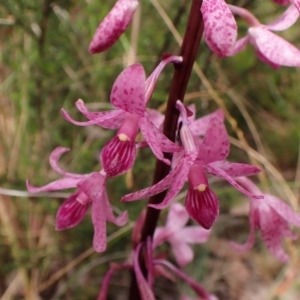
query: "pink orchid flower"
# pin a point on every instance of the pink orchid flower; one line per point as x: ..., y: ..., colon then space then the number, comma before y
x: 113, y: 25
x: 220, y: 29
x: 201, y: 202
x: 269, y: 47
x: 91, y: 190
x: 130, y: 94
x: 272, y: 217
x: 180, y: 236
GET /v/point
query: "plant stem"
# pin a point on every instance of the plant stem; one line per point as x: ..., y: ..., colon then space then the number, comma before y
x: 188, y: 51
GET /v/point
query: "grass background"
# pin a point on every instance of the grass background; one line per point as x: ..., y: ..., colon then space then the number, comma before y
x: 45, y: 65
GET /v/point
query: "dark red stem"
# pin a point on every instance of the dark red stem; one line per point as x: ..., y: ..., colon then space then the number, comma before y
x: 188, y: 51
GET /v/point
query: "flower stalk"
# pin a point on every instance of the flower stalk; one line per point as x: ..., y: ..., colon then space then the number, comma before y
x: 188, y: 51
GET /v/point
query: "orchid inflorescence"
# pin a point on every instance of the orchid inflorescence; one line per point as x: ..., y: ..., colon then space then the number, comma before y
x: 200, y: 151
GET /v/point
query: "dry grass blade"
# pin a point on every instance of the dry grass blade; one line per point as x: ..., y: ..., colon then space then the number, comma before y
x: 12, y: 289
x: 80, y: 258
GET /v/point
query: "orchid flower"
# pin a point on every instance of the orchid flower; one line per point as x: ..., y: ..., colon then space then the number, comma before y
x: 269, y: 47
x: 130, y: 94
x: 220, y: 29
x: 272, y: 217
x: 201, y: 202
x: 179, y: 235
x: 113, y: 25
x: 91, y: 190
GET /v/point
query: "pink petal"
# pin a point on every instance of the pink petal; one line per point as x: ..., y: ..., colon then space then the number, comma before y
x: 152, y: 79
x: 236, y: 169
x: 156, y: 117
x: 200, y: 126
x: 161, y: 235
x: 215, y: 145
x: 220, y: 28
x: 239, y: 46
x: 105, y: 284
x: 270, y: 226
x: 193, y: 234
x: 282, y: 2
x: 113, y: 25
x: 144, y: 288
x: 182, y: 252
x: 203, y: 207
x: 253, y: 221
x: 53, y: 159
x: 128, y: 91
x: 70, y: 213
x: 286, y: 20
x: 177, y: 217
x: 154, y: 189
x: 215, y: 171
x: 165, y: 144
x: 181, y: 172
x: 264, y: 59
x: 274, y: 48
x: 94, y: 187
x: 121, y: 220
x: 177, y: 157
x: 60, y: 184
x: 118, y: 156
x: 283, y: 210
x: 151, y: 138
x: 296, y: 3
x: 111, y: 119
x: 99, y: 222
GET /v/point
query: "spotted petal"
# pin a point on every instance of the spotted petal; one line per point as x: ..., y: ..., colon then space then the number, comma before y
x: 181, y: 172
x: 94, y: 188
x: 218, y: 172
x: 236, y: 169
x: 239, y: 46
x: 271, y: 225
x: 60, y: 184
x: 155, y: 189
x: 220, y: 28
x: 215, y: 144
x: 151, y: 138
x: 111, y: 119
x: 200, y: 126
x: 274, y: 48
x: 283, y: 210
x: 286, y: 20
x: 113, y: 25
x: 128, y: 91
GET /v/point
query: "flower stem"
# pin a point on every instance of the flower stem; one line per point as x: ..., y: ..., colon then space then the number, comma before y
x: 188, y: 51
